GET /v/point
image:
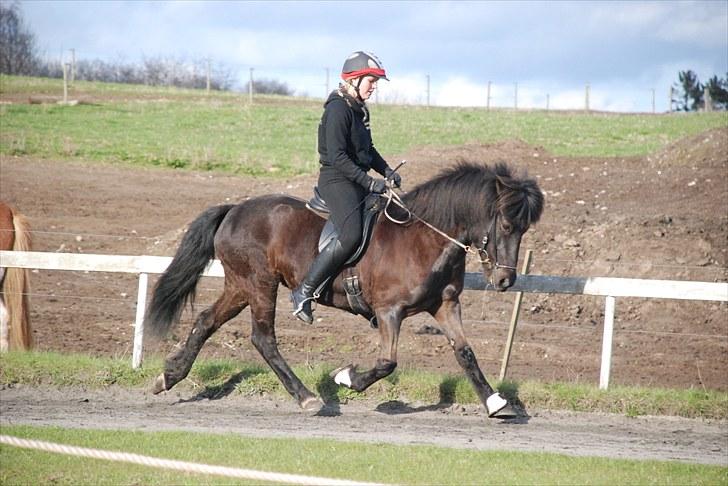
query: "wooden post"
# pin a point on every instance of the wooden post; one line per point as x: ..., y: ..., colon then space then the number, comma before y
x: 208, y: 77
x: 136, y: 360
x: 250, y: 87
x: 514, y: 318
x: 586, y: 98
x: 73, y: 66
x: 487, y: 98
x: 428, y: 90
x: 65, y: 83
x: 326, y: 94
x: 607, y: 342
x: 707, y: 100
x: 548, y: 100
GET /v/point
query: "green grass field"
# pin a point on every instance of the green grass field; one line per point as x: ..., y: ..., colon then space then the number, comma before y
x: 176, y: 128
x: 56, y: 369
x: 324, y: 458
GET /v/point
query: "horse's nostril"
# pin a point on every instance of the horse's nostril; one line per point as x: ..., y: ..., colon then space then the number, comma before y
x: 505, y: 283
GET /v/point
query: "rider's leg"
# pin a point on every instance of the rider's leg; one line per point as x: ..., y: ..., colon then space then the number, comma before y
x: 344, y: 199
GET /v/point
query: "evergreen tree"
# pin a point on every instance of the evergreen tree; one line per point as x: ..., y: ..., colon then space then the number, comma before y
x: 690, y: 91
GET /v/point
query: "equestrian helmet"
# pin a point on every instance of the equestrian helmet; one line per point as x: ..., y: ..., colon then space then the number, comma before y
x: 362, y: 63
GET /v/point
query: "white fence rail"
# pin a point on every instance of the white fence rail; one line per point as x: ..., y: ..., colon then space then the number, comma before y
x: 608, y: 287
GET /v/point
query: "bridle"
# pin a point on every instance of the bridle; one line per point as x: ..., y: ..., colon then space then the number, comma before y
x: 480, y: 252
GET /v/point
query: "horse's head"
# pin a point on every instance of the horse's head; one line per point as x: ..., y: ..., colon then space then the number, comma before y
x: 518, y: 204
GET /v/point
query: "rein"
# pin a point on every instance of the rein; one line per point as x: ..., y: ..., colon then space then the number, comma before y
x: 481, y: 253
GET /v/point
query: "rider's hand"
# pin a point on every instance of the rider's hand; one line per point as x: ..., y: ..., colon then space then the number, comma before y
x: 378, y: 186
x: 394, y: 177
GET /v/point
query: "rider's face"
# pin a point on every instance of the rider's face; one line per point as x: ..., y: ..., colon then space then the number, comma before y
x: 367, y: 86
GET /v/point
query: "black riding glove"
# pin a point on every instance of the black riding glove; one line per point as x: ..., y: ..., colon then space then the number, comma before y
x: 393, y: 176
x: 377, y: 186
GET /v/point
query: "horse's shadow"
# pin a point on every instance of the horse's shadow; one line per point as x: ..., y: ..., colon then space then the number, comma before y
x: 222, y: 391
x: 447, y: 400
x: 328, y: 390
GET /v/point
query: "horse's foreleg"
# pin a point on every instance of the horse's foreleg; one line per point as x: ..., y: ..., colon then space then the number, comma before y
x: 389, y: 326
x: 449, y: 317
x: 264, y: 340
x: 179, y: 362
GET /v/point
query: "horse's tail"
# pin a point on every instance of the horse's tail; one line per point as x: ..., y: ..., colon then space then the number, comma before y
x: 15, y: 289
x: 177, y: 284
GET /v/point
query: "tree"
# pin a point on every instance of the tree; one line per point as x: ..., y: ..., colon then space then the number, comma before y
x: 718, y: 90
x: 690, y: 92
x: 17, y: 43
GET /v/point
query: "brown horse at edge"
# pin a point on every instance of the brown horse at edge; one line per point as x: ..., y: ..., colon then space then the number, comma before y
x: 15, y: 330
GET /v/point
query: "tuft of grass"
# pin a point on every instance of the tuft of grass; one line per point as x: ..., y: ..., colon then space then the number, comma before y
x: 215, y: 377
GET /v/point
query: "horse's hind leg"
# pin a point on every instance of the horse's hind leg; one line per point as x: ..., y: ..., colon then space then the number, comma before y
x: 179, y: 362
x: 262, y: 310
x: 448, y: 316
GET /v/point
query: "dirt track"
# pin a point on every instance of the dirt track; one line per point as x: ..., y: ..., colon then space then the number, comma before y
x: 579, y: 434
x: 651, y: 217
x: 661, y: 216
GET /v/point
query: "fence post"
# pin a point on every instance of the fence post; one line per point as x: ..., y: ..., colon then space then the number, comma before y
x: 514, y: 318
x: 65, y: 83
x: 207, y: 77
x: 607, y: 342
x: 707, y: 100
x: 487, y: 99
x: 250, y: 87
x: 428, y: 90
x: 139, y: 322
x: 586, y: 98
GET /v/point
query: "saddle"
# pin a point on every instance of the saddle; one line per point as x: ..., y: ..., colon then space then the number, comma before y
x: 372, y: 207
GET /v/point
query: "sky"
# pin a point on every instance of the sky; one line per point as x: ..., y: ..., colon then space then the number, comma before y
x: 531, y: 53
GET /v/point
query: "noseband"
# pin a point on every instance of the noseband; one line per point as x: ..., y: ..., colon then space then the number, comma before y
x: 483, y: 252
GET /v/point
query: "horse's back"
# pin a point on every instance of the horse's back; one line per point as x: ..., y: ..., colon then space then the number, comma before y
x: 273, y: 231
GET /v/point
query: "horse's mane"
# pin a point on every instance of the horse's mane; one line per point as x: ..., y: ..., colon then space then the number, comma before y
x: 465, y: 194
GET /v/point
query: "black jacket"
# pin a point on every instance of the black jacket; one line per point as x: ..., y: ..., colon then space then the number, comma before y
x: 345, y: 141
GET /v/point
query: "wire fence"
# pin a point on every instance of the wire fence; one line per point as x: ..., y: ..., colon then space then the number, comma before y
x: 422, y: 89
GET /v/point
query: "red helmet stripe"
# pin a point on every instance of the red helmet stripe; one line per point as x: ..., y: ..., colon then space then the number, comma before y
x: 363, y: 72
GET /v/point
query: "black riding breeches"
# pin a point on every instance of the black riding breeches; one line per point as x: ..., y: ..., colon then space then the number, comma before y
x: 345, y: 202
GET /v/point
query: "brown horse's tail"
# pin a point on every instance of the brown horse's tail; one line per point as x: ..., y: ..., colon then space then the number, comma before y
x: 177, y: 284
x: 15, y: 290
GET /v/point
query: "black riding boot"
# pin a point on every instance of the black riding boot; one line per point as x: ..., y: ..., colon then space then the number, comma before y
x: 324, y: 266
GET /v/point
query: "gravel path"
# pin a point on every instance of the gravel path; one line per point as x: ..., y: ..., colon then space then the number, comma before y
x: 579, y: 434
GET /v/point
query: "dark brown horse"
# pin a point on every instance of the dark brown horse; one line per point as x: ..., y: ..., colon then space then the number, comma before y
x: 15, y: 330
x: 407, y: 269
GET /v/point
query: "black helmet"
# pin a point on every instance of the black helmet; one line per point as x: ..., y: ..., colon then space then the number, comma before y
x: 362, y: 63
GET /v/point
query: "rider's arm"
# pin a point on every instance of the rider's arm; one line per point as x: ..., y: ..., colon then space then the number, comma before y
x: 338, y: 121
x: 378, y: 162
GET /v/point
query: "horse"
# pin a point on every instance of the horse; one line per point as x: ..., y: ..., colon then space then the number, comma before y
x: 15, y: 329
x: 409, y: 268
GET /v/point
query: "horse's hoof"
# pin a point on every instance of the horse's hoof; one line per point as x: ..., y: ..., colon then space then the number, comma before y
x: 342, y: 376
x: 505, y: 413
x: 160, y: 385
x: 495, y: 404
x: 312, y: 404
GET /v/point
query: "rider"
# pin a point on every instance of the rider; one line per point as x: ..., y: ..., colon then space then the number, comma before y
x: 346, y: 154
